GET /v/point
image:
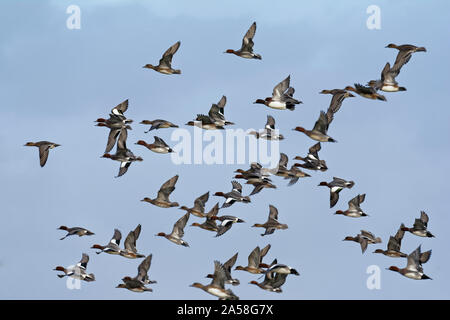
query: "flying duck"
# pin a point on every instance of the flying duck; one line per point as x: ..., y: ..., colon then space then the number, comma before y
x: 177, y: 232
x: 282, y: 97
x: 336, y: 186
x: 158, y: 146
x: 75, y: 231
x: 165, y: 63
x: 246, y: 50
x: 44, y: 147
x: 162, y: 199
x: 272, y: 223
x: 78, y: 271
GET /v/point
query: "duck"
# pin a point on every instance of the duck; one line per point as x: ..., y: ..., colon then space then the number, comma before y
x: 404, y: 55
x: 158, y: 124
x: 364, y: 238
x: 233, y: 196
x: 227, y: 266
x: 177, y: 232
x: 217, y: 285
x: 162, y: 199
x: 311, y: 164
x: 294, y: 174
x: 269, y: 132
x: 394, y: 244
x: 116, y: 131
x: 158, y: 146
x: 354, y: 210
x: 366, y: 92
x: 216, y: 113
x: 272, y: 223
x: 137, y: 283
x: 255, y: 263
x: 272, y: 284
x: 209, y: 224
x: 319, y: 132
x: 116, y: 116
x: 256, y: 173
x: 44, y: 147
x: 130, y: 250
x: 282, y: 170
x: 226, y: 223
x: 282, y: 97
x: 338, y: 97
x: 165, y: 63
x: 205, y: 122
x: 279, y: 268
x: 336, y: 186
x: 75, y: 231
x: 312, y: 160
x: 123, y: 154
x: 262, y: 184
x: 113, y: 246
x: 198, y: 209
x: 78, y: 271
x: 246, y: 50
x: 420, y: 226
x: 413, y: 269
x: 387, y: 82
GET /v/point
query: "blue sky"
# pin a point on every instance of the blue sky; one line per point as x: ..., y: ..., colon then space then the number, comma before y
x: 56, y: 81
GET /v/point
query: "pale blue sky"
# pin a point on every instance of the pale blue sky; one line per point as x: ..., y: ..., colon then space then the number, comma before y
x: 54, y: 82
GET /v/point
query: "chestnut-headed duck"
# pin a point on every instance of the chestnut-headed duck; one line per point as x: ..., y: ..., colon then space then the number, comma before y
x: 78, y: 271
x: 366, y: 92
x: 354, y: 210
x: 387, y: 82
x: 364, y: 238
x: 177, y: 232
x: 404, y: 55
x: 227, y: 266
x: 198, y: 209
x: 210, y: 223
x: 130, y: 250
x: 420, y: 226
x: 336, y: 186
x: 282, y: 97
x: 137, y: 283
x: 216, y: 113
x: 217, y: 285
x: 205, y: 122
x: 162, y: 199
x: 113, y: 246
x: 394, y: 244
x: 255, y: 263
x: 158, y: 146
x: 269, y: 132
x: 75, y: 231
x: 123, y: 154
x: 44, y: 147
x: 165, y: 63
x: 319, y: 132
x: 158, y: 124
x: 272, y: 223
x: 413, y: 269
x: 234, y: 195
x: 312, y: 160
x: 226, y: 223
x: 246, y: 50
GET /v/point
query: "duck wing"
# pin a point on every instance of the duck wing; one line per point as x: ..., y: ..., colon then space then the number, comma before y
x: 247, y: 41
x: 166, y: 60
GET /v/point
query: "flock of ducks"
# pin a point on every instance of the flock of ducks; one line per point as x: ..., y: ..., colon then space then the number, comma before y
x: 275, y: 274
